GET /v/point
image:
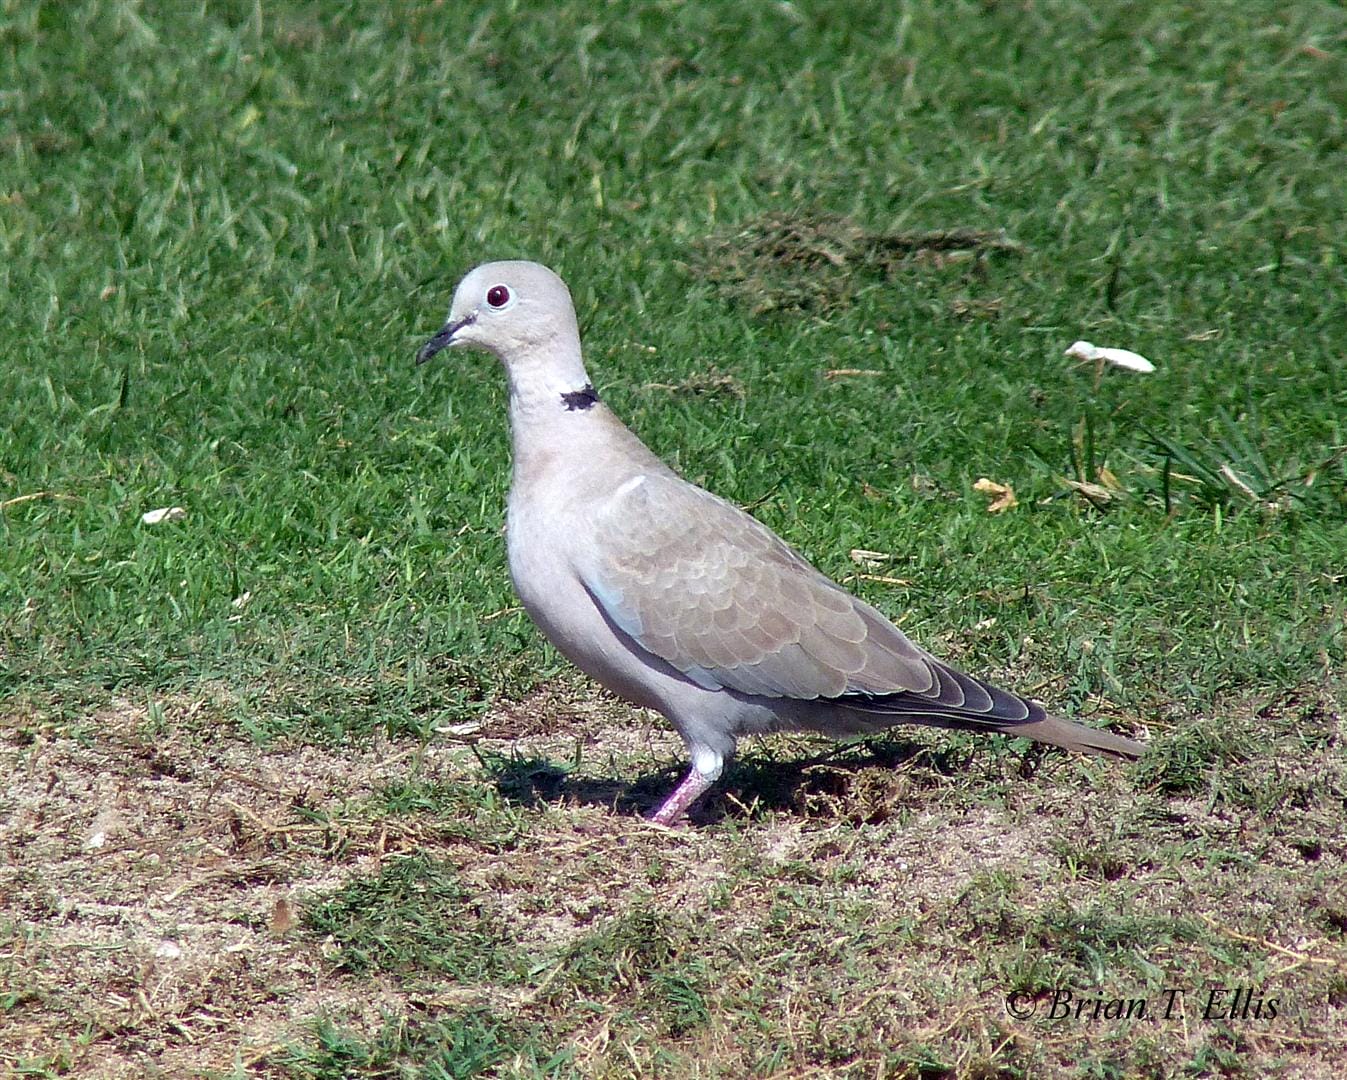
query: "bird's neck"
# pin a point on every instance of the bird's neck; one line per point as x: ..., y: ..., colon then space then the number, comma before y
x: 553, y: 405
x: 560, y: 428
x: 547, y: 383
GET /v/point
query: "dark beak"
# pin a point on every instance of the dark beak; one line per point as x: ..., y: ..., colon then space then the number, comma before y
x: 443, y: 339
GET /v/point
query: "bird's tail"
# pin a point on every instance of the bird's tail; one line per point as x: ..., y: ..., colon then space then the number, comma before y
x: 1002, y: 712
x: 1039, y: 725
x: 1072, y: 736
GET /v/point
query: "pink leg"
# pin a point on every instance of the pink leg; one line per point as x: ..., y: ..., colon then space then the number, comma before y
x: 694, y: 785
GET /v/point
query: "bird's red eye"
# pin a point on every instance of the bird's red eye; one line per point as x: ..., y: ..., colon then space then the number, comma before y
x: 498, y: 296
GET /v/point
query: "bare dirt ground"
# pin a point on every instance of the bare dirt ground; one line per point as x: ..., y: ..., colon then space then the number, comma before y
x: 153, y: 879
x: 150, y: 887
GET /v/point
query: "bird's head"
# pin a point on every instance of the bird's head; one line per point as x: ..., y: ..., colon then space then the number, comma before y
x: 509, y: 309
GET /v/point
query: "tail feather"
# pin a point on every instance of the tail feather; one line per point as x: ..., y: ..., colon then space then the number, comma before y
x: 857, y: 715
x: 1072, y: 736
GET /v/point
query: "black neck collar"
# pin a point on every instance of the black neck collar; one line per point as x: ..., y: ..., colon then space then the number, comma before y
x: 584, y: 398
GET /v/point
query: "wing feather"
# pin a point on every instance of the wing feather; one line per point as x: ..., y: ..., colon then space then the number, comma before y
x: 718, y: 595
x: 715, y: 593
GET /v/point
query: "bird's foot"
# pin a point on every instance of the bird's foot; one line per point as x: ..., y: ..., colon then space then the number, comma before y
x: 693, y: 787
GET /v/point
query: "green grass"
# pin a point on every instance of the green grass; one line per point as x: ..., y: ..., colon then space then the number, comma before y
x: 225, y: 228
x: 448, y: 1050
x: 428, y: 921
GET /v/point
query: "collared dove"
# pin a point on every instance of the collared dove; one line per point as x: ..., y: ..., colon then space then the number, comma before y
x: 672, y: 597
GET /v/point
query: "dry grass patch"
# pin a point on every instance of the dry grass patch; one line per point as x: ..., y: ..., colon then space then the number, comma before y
x: 503, y: 908
x: 151, y: 881
x: 812, y: 261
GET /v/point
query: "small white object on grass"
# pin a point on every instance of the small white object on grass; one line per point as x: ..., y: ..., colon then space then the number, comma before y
x: 1123, y: 358
x: 105, y: 823
x: 164, y: 513
x: 462, y: 731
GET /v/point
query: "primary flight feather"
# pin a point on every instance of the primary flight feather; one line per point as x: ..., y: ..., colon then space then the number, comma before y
x: 674, y: 598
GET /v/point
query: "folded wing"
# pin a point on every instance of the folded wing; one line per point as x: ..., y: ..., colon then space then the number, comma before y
x: 715, y: 593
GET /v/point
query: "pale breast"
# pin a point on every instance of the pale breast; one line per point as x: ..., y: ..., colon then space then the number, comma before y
x: 539, y: 547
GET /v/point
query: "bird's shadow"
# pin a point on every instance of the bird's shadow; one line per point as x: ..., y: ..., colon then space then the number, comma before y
x: 825, y: 784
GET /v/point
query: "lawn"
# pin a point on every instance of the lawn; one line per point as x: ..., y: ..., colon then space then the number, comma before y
x: 295, y: 790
